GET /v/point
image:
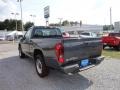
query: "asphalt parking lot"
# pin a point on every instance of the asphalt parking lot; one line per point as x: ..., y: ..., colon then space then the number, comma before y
x: 20, y: 74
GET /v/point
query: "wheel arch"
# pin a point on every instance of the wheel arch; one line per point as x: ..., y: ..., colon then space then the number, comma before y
x: 36, y: 52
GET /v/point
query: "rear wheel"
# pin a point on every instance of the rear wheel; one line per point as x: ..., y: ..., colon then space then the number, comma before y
x: 118, y: 48
x: 41, y: 68
x: 21, y: 54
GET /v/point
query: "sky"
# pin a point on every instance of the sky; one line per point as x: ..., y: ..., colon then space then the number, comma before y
x: 89, y: 11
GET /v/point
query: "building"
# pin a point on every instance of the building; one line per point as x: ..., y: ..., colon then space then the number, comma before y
x: 117, y: 26
x: 85, y: 28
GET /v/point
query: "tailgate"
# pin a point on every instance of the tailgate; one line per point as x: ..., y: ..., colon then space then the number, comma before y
x: 77, y: 49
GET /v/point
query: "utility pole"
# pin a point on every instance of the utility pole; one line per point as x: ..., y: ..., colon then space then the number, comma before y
x: 110, y: 18
x: 21, y: 14
x: 60, y: 21
x: 15, y: 18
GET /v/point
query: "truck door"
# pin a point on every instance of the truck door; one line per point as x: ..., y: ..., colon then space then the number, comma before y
x: 26, y: 42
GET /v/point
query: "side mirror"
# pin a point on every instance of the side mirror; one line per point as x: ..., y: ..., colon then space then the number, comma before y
x: 22, y: 37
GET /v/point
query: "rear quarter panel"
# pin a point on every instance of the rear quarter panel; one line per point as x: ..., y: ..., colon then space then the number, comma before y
x: 47, y: 46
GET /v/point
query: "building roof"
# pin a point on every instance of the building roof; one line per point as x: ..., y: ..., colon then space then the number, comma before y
x: 84, y: 27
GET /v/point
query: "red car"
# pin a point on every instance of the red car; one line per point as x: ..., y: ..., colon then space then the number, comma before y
x: 112, y: 40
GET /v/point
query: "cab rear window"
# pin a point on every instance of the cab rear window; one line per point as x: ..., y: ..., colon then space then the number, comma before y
x: 45, y: 32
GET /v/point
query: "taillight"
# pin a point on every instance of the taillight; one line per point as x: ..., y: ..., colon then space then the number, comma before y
x: 59, y: 49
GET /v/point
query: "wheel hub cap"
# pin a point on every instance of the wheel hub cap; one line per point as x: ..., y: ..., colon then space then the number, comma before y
x: 39, y: 66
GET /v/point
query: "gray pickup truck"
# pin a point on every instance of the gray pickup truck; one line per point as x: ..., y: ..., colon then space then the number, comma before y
x: 49, y: 49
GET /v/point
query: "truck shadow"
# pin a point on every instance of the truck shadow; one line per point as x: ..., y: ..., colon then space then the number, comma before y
x: 22, y: 71
x: 73, y: 82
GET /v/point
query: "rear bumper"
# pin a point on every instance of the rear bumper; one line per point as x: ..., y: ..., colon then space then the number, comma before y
x: 110, y: 44
x: 98, y: 60
x: 76, y: 68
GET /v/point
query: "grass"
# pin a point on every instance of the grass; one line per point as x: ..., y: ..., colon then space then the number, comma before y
x: 112, y: 53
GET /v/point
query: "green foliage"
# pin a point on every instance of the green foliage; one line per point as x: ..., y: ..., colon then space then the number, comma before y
x: 28, y: 25
x: 71, y: 23
x: 10, y: 24
x: 1, y: 26
x: 65, y: 23
x: 111, y: 53
x: 108, y: 27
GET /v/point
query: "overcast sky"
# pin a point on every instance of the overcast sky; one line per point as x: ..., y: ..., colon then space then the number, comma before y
x: 89, y: 11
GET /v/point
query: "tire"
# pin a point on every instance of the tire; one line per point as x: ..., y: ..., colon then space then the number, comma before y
x: 41, y: 68
x: 104, y: 46
x: 21, y: 54
x: 118, y: 48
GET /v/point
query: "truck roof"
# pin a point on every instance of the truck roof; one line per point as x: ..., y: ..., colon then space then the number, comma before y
x: 48, y: 27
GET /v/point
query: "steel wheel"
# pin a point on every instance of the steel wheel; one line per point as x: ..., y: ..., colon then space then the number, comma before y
x: 41, y: 68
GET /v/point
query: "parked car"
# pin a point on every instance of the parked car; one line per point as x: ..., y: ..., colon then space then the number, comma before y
x: 2, y: 37
x: 65, y: 35
x: 112, y: 40
x: 48, y: 48
x: 9, y: 37
x: 87, y: 35
x: 73, y: 34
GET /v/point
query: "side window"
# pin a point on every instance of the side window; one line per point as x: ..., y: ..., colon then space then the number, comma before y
x: 38, y: 33
x: 46, y: 32
x: 28, y: 34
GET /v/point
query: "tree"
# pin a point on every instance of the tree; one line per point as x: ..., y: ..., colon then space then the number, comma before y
x: 108, y: 27
x: 1, y: 26
x: 71, y: 23
x: 19, y: 28
x: 105, y: 27
x: 10, y: 24
x: 6, y: 23
x: 28, y: 25
x: 65, y: 23
x: 76, y: 23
